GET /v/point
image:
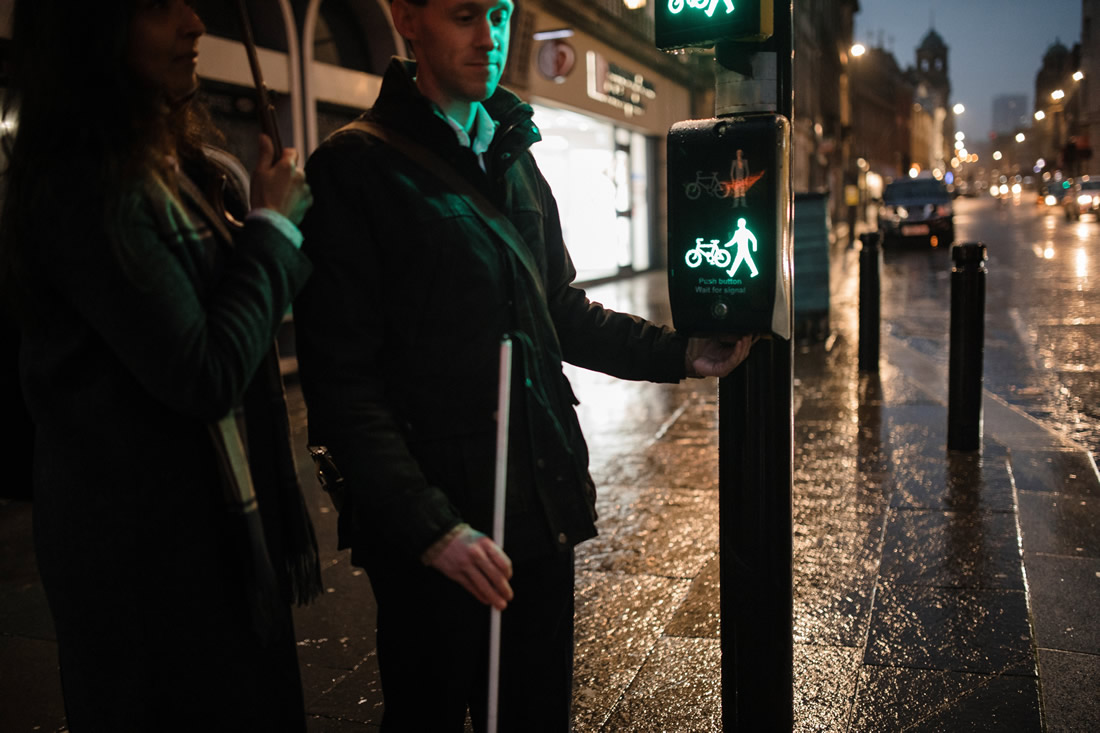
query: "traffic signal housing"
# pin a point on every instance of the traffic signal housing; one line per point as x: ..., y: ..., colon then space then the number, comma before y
x: 729, y: 225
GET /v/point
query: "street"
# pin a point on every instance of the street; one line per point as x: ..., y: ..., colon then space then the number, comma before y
x: 1042, y: 308
x: 911, y: 609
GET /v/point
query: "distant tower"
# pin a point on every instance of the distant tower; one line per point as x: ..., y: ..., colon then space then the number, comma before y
x: 932, y: 67
x: 934, y: 94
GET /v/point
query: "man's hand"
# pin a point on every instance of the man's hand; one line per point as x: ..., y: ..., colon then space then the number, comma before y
x: 714, y: 357
x: 476, y: 563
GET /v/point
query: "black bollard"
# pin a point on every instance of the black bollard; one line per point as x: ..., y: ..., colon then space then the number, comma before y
x: 870, y: 297
x: 964, y: 380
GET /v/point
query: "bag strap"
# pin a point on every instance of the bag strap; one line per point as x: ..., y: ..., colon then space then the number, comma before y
x: 478, y: 203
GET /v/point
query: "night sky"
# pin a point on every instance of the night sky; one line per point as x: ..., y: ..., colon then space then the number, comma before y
x: 994, y: 46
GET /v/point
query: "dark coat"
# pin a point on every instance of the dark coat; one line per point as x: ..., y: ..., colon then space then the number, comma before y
x: 123, y: 367
x: 399, y: 329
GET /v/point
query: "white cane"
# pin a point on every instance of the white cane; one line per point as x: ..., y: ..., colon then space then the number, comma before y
x: 504, y: 401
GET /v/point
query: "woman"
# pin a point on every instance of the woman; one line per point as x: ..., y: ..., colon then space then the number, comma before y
x: 146, y: 317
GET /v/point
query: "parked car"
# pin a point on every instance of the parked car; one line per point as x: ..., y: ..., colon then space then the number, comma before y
x: 917, y: 208
x: 1052, y: 195
x: 1083, y: 198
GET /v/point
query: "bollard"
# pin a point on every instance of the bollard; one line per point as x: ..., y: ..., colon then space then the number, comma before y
x: 964, y: 388
x: 870, y: 297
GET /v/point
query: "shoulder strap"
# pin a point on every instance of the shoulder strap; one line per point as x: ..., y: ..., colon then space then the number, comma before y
x: 481, y: 206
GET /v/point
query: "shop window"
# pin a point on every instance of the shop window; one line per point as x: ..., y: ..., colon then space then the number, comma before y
x: 598, y: 174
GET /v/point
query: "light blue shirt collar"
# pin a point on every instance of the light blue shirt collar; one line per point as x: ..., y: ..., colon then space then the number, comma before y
x: 485, y: 127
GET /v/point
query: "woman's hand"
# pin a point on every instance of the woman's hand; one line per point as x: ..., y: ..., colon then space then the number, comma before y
x: 280, y: 186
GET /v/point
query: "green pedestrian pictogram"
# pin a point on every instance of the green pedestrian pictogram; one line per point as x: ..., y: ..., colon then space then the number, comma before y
x: 707, y: 6
x: 742, y: 238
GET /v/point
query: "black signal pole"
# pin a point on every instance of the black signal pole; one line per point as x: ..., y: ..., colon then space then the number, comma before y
x: 756, y: 424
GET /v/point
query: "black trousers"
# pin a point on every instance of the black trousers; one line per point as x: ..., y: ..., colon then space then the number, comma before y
x: 433, y: 649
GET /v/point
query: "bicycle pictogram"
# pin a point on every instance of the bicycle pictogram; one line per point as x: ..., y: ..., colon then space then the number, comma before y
x: 707, y: 6
x: 710, y: 185
x: 708, y: 251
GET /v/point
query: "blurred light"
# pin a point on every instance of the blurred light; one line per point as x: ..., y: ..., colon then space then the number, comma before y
x: 914, y: 171
x: 959, y: 145
x: 1017, y: 189
x: 862, y: 163
x: 634, y: 4
x: 1040, y: 164
x: 960, y: 135
x: 1057, y: 94
x: 937, y: 174
x: 949, y: 177
x: 1020, y: 137
x: 959, y: 108
x: 1050, y: 200
x: 973, y: 158
x: 996, y: 155
x: 1081, y: 260
x: 955, y: 162
x: 858, y: 50
x: 1048, y: 253
x: 963, y: 153
x: 1078, y: 76
x: 1003, y: 189
x: 1040, y: 115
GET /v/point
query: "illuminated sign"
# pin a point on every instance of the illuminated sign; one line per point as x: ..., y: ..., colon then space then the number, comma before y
x: 681, y: 23
x: 612, y: 84
x: 729, y: 234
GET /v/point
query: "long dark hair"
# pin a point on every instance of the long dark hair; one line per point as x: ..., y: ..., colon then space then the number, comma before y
x: 80, y: 126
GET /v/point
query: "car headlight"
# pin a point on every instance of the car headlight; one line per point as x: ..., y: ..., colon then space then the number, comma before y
x: 1084, y: 199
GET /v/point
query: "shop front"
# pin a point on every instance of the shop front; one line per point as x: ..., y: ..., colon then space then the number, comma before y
x: 603, y: 118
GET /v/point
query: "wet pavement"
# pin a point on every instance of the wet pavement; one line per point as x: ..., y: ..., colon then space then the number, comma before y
x: 932, y: 591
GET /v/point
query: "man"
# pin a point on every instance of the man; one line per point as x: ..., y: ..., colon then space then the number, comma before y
x: 398, y: 343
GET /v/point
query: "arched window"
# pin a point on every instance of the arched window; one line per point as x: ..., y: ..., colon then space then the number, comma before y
x: 354, y: 34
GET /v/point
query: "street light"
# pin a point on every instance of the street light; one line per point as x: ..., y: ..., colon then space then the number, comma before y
x: 1078, y: 76
x: 1020, y: 137
x: 1057, y: 94
x: 858, y: 50
x: 959, y: 108
x: 1040, y: 115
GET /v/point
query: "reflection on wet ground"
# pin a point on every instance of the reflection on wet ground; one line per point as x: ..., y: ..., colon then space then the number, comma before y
x: 910, y: 607
x: 911, y: 610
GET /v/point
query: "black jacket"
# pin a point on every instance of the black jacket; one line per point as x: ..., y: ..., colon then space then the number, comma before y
x: 399, y: 330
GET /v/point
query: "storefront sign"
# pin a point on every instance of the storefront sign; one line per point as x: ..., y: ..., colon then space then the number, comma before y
x: 612, y: 84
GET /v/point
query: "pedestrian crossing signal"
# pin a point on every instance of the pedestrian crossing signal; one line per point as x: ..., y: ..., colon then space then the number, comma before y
x: 682, y: 23
x: 729, y: 234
